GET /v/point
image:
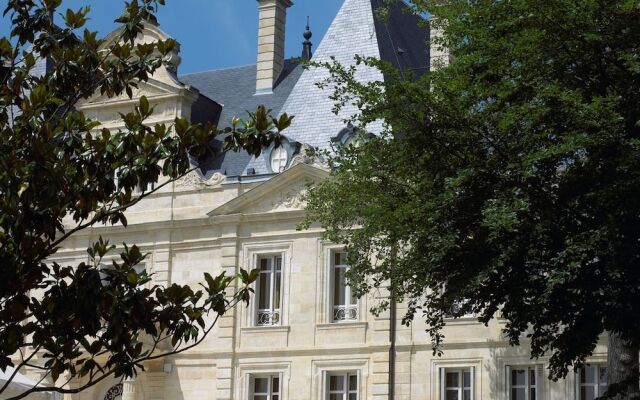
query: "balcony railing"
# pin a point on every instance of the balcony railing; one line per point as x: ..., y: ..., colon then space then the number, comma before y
x: 268, y: 317
x: 346, y: 313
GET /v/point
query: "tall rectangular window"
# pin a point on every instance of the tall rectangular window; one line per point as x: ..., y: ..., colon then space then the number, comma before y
x: 265, y: 387
x: 524, y: 383
x: 343, y: 386
x: 456, y: 384
x: 269, y: 290
x: 344, y: 303
x: 591, y: 382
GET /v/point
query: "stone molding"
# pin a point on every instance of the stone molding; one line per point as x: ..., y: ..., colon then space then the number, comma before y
x: 195, y: 180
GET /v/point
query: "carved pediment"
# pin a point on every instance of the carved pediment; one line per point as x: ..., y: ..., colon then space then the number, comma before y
x: 143, y: 89
x: 286, y: 199
x: 164, y: 81
x: 283, y: 192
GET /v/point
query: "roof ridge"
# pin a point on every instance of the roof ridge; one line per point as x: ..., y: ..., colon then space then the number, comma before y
x: 219, y: 69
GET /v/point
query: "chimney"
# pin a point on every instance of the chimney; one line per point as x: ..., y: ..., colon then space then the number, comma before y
x: 439, y: 56
x: 271, y: 30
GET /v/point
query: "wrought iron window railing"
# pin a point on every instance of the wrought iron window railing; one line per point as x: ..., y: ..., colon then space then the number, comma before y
x: 346, y: 313
x: 268, y: 317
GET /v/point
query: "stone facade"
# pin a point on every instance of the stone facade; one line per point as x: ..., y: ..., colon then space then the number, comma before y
x: 217, y: 224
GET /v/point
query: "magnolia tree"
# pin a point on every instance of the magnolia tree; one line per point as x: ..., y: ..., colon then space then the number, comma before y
x: 508, y: 182
x: 57, y: 177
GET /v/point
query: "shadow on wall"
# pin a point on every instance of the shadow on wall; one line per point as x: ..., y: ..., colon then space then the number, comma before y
x: 496, y: 366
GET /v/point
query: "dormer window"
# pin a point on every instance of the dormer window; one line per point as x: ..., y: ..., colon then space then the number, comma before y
x: 279, y: 159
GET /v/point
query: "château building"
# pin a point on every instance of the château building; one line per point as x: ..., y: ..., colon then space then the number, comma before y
x: 304, y: 336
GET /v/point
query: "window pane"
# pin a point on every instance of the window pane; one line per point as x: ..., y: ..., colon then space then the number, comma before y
x: 276, y: 295
x: 275, y: 397
x: 588, y: 374
x: 353, y: 396
x: 518, y: 377
x: 587, y: 393
x: 335, y: 397
x: 278, y: 263
x: 353, y: 382
x: 336, y: 382
x: 275, y: 386
x: 466, y: 377
x: 453, y: 380
x: 467, y: 395
x: 532, y: 394
x: 265, y: 291
x: 261, y: 397
x: 532, y: 377
x: 339, y: 292
x: 265, y: 264
x: 603, y: 376
x: 518, y: 394
x: 339, y: 258
x: 452, y: 395
x: 261, y: 386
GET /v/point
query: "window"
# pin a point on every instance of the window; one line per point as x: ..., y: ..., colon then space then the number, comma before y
x: 457, y: 310
x: 279, y: 158
x: 269, y: 290
x: 264, y: 387
x: 344, y: 305
x: 343, y: 386
x: 591, y: 382
x: 524, y: 383
x: 456, y: 383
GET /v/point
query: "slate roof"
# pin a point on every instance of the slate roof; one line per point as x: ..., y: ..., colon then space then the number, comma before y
x: 234, y: 89
x: 355, y: 30
x: 402, y: 39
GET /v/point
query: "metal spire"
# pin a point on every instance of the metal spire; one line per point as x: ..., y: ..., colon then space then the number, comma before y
x: 306, y: 45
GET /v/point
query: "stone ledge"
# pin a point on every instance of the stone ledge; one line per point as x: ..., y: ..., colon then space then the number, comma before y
x: 257, y: 329
x: 341, y: 325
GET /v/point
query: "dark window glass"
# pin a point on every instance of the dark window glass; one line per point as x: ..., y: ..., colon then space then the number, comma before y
x: 336, y: 383
x: 518, y: 394
x: 587, y: 393
x: 353, y: 382
x: 452, y: 379
x: 518, y: 377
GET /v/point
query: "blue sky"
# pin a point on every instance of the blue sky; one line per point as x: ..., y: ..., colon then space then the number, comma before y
x: 214, y: 33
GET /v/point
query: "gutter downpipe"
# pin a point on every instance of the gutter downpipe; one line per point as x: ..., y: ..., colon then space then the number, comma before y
x: 392, y: 333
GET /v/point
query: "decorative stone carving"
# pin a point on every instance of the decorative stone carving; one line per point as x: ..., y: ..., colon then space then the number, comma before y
x: 291, y: 199
x: 194, y: 180
x: 172, y: 60
x: 308, y: 155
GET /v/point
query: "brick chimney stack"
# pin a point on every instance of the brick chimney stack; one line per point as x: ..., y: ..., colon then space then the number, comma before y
x: 271, y: 32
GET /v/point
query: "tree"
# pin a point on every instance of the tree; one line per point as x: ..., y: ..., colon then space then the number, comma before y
x: 57, y: 177
x: 508, y: 181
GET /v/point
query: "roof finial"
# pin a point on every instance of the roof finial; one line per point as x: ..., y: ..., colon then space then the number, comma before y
x: 306, y: 45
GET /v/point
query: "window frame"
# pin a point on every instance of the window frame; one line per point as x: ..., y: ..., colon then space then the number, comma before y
x: 270, y: 394
x: 461, y: 388
x: 539, y: 386
x: 346, y: 390
x: 273, y: 256
x: 596, y: 385
x: 332, y: 306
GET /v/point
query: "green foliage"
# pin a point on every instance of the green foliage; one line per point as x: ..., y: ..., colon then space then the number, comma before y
x: 60, y: 174
x: 508, y: 180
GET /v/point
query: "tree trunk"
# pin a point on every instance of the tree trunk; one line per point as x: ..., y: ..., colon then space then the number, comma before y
x: 623, y: 369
